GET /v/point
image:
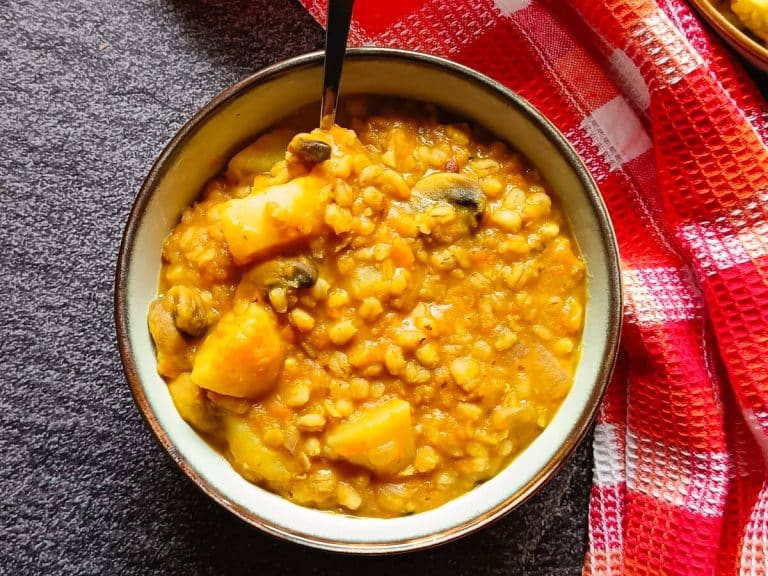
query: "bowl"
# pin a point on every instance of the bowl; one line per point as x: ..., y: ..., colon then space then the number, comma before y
x: 739, y: 39
x: 200, y: 150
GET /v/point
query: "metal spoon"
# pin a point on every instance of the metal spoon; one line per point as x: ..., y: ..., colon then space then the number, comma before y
x: 336, y: 32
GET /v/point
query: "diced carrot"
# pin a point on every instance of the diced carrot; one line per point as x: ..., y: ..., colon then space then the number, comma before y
x: 479, y: 256
x: 278, y: 410
x: 401, y: 253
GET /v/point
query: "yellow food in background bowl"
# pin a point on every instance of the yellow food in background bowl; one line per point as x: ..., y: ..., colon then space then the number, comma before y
x: 379, y: 320
x: 753, y: 14
x: 743, y: 24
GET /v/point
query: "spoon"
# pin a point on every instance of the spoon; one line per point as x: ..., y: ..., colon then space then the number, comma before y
x: 337, y: 30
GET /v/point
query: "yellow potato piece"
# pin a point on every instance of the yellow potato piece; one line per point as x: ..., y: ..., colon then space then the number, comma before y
x: 278, y: 216
x: 380, y: 439
x: 253, y: 459
x: 754, y: 15
x: 551, y: 380
x: 242, y: 355
x: 259, y: 157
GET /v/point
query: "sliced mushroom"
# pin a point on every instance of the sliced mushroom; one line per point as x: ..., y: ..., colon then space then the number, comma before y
x: 172, y: 349
x: 289, y: 272
x: 457, y: 189
x: 190, y: 314
x: 277, y: 280
x: 461, y: 193
x: 309, y: 150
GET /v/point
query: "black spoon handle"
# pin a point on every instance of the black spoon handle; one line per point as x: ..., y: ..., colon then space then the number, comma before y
x: 337, y: 30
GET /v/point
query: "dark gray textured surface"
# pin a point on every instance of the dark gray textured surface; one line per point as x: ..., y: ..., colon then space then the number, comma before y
x: 89, y: 94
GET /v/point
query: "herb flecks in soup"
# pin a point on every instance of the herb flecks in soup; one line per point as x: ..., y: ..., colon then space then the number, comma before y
x: 371, y: 320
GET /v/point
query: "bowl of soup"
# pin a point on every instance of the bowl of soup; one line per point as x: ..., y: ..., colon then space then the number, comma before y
x: 743, y: 24
x: 380, y: 335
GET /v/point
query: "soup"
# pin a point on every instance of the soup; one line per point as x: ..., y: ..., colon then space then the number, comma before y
x: 371, y: 320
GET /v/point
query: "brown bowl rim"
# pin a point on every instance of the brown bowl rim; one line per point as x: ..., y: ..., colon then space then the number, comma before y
x: 737, y: 38
x: 613, y: 322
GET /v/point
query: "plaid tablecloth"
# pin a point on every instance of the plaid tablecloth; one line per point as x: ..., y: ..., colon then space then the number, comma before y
x: 675, y: 134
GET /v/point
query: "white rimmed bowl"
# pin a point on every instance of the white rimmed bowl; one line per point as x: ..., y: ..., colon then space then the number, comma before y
x: 202, y: 147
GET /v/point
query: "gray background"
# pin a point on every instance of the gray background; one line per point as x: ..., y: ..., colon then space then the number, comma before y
x: 89, y: 94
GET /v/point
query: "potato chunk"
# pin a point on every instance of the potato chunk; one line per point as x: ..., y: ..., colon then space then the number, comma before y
x: 380, y: 439
x: 242, y: 356
x: 253, y: 459
x: 552, y: 381
x: 278, y: 216
x: 260, y: 156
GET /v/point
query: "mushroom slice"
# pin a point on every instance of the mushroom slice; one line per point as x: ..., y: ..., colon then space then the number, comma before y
x: 310, y: 150
x: 457, y: 191
x: 277, y: 280
x: 288, y: 272
x: 173, y: 355
x: 190, y: 314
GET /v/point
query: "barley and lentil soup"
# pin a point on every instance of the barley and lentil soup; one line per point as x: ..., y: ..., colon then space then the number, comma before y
x: 371, y: 320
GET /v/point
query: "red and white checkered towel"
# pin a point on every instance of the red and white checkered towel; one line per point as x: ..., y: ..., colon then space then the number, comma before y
x: 675, y: 135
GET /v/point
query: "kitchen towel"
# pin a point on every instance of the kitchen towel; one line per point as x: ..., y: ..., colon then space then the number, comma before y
x: 674, y: 133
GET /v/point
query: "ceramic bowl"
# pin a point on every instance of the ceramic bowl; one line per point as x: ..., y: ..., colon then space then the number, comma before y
x: 235, y: 117
x: 714, y: 12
